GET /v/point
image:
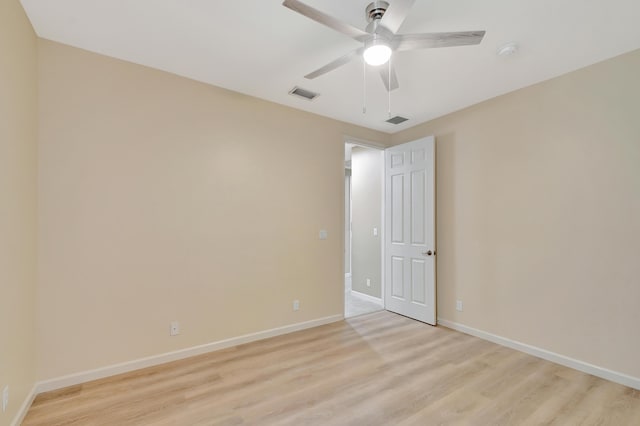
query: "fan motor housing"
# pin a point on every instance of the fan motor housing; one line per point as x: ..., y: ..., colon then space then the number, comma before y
x: 376, y: 10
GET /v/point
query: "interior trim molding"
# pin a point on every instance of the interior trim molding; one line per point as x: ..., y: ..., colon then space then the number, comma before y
x: 137, y: 364
x: 26, y: 404
x: 367, y: 296
x: 604, y: 373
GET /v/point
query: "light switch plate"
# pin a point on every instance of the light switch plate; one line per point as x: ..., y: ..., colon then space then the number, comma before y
x: 323, y: 234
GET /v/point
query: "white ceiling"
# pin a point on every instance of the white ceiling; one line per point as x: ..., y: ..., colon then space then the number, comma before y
x: 263, y: 49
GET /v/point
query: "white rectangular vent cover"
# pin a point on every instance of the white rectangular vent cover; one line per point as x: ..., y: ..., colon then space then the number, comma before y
x: 397, y: 120
x: 303, y: 93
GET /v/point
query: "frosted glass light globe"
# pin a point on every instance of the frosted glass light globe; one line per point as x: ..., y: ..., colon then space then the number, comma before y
x: 377, y: 54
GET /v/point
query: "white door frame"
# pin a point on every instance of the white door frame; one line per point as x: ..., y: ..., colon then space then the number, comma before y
x: 378, y: 147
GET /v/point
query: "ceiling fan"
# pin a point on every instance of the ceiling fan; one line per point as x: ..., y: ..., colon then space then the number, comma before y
x: 380, y: 38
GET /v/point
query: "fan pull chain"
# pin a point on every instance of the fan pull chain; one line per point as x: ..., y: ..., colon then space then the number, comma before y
x: 389, y: 110
x: 364, y: 86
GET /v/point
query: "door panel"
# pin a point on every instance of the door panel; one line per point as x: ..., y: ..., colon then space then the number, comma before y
x: 417, y: 281
x: 397, y: 280
x: 397, y: 209
x: 410, y: 219
x: 418, y: 217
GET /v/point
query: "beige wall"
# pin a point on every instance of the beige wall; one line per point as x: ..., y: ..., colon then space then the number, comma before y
x: 165, y: 199
x: 538, y: 196
x: 366, y: 203
x: 18, y: 168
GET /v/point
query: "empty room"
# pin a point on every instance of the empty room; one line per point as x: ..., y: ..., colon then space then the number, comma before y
x: 319, y: 212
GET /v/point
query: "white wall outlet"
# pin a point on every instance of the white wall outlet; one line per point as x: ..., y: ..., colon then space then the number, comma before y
x: 459, y: 305
x: 375, y: 232
x: 296, y: 305
x: 323, y: 234
x: 174, y: 329
x: 5, y: 398
x: 368, y: 282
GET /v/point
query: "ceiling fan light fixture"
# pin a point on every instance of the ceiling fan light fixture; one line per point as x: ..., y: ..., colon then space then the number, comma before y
x: 381, y: 37
x: 377, y: 53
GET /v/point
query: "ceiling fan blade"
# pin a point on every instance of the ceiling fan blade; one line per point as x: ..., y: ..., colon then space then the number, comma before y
x: 396, y: 14
x: 384, y: 73
x: 335, y: 64
x: 326, y: 20
x: 431, y: 40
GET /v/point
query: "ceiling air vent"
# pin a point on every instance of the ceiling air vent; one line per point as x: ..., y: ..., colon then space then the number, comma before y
x: 397, y: 120
x: 303, y: 93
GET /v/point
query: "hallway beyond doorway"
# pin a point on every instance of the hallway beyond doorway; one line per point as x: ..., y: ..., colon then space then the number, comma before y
x: 356, y: 303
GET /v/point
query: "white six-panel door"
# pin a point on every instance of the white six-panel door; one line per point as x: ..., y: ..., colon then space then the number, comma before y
x: 410, y: 264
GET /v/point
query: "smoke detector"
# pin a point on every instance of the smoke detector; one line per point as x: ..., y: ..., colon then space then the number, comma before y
x: 507, y: 49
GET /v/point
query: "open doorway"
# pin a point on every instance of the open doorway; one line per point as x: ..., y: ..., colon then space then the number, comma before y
x: 363, y: 229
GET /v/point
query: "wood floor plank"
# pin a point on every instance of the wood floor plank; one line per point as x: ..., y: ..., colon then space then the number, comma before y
x: 377, y: 369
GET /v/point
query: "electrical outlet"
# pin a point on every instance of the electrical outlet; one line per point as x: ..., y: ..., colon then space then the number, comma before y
x: 5, y: 398
x: 174, y: 329
x: 323, y: 234
x: 368, y: 282
x: 459, y: 305
x: 375, y: 232
x: 296, y: 305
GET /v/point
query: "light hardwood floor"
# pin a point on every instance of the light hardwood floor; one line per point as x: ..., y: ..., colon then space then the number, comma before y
x: 376, y: 369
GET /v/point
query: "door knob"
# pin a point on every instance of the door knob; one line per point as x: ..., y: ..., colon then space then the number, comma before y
x: 429, y: 253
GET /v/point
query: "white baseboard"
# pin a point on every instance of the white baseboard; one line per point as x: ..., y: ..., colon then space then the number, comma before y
x: 585, y: 367
x: 367, y: 297
x: 26, y: 404
x: 112, y: 370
